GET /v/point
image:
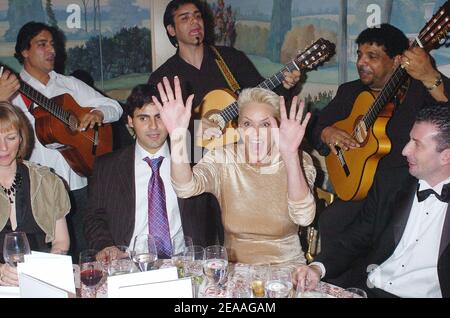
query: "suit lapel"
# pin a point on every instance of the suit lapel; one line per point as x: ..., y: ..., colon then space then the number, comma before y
x: 404, y: 201
x: 126, y: 173
x: 445, y: 238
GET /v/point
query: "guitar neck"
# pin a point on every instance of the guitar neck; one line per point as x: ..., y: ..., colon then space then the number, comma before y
x: 387, y: 93
x: 232, y: 111
x: 44, y: 102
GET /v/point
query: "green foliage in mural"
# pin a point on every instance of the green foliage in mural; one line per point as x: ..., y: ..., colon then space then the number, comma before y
x: 128, y: 51
x: 252, y: 39
x: 316, y: 103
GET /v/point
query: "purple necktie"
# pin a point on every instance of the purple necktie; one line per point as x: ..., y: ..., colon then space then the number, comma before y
x: 158, y: 224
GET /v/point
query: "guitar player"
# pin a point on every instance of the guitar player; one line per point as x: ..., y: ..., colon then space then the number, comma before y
x: 380, y: 51
x: 35, y: 50
x: 186, y: 23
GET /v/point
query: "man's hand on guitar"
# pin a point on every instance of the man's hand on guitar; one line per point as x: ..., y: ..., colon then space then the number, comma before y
x: 208, y: 130
x: 90, y: 119
x: 291, y: 78
x: 292, y: 128
x: 174, y: 113
x: 335, y: 137
x: 417, y: 63
x: 9, y: 85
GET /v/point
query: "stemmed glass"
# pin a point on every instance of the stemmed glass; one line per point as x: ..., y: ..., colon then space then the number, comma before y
x: 15, y: 247
x: 144, y: 252
x: 91, y: 271
x: 215, y: 267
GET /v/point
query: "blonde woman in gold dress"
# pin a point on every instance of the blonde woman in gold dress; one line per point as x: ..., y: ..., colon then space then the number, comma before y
x: 263, y: 183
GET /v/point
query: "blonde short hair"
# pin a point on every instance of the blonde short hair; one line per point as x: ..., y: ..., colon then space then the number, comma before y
x: 12, y: 118
x: 262, y: 96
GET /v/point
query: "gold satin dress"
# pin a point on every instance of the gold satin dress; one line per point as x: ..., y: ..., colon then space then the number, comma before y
x: 261, y: 223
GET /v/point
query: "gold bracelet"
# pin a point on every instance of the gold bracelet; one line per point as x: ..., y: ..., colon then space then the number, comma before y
x: 436, y: 83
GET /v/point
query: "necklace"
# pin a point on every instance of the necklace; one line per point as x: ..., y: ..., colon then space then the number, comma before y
x: 11, y: 191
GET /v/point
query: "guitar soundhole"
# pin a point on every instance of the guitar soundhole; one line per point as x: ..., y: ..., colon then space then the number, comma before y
x: 73, y: 122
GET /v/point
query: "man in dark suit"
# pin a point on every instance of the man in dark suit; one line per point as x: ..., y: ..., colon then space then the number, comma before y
x: 403, y: 230
x: 120, y: 194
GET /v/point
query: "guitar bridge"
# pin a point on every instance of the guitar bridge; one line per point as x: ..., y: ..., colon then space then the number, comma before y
x: 341, y: 158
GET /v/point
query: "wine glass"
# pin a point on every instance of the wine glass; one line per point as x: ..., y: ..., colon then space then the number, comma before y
x: 91, y: 271
x: 215, y: 267
x: 144, y: 252
x: 15, y: 247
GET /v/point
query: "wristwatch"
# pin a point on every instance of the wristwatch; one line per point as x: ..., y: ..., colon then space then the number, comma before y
x: 437, y: 82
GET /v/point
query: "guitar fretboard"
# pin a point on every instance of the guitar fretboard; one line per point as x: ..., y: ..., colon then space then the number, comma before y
x: 231, y: 111
x: 387, y: 93
x: 44, y: 102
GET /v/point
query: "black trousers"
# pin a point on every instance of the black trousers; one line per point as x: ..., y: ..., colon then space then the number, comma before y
x: 78, y: 200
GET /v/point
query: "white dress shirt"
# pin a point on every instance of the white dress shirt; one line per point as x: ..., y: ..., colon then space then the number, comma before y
x: 85, y: 96
x: 412, y: 270
x: 143, y: 173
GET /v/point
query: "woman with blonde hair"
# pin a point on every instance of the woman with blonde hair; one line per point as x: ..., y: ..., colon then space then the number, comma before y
x: 263, y: 184
x: 32, y: 198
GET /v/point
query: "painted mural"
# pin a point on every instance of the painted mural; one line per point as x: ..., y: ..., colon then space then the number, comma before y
x: 108, y: 38
x: 111, y: 38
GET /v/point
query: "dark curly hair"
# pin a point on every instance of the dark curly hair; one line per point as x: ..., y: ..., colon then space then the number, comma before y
x: 394, y: 41
x: 27, y: 33
x: 140, y: 95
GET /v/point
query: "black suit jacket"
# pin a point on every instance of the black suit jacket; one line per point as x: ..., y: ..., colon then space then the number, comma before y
x: 110, y: 214
x: 378, y: 229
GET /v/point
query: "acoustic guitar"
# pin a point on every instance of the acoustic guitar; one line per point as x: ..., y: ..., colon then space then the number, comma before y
x: 352, y: 172
x: 56, y: 123
x: 220, y: 105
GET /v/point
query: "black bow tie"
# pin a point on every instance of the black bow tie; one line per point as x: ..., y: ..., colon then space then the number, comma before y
x: 444, y: 196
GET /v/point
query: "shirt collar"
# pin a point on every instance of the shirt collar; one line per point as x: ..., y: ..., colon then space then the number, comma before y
x: 141, y: 153
x: 25, y: 76
x: 437, y: 188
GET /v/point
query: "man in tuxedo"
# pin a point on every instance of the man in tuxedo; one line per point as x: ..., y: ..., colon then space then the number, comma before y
x: 120, y: 201
x: 403, y: 230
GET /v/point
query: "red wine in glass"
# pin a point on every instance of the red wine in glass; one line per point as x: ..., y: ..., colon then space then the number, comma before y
x: 91, y: 277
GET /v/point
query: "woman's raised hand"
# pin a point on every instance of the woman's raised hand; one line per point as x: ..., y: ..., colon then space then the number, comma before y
x: 174, y: 113
x: 292, y: 129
